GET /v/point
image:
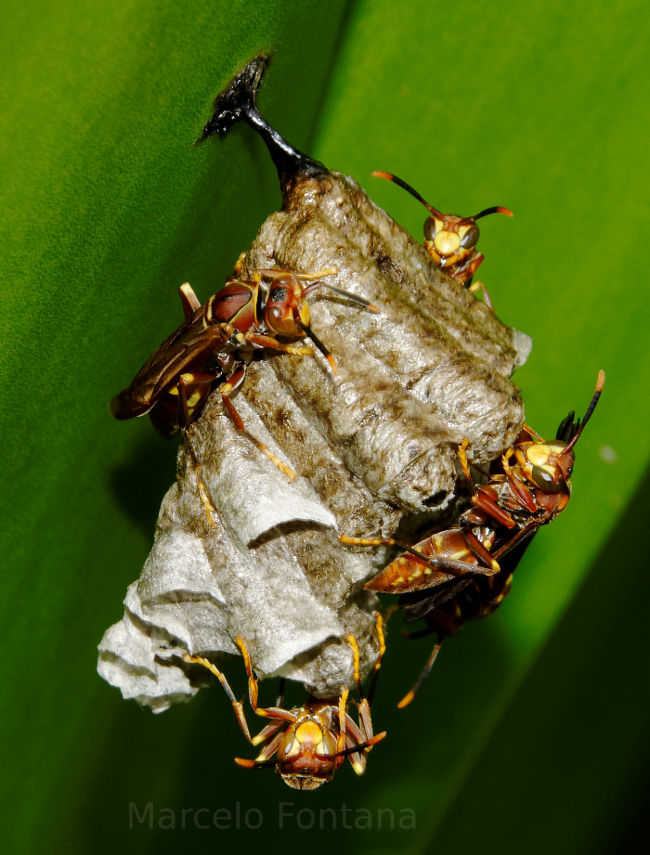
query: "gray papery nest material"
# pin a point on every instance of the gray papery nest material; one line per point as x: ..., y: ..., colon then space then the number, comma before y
x: 373, y: 448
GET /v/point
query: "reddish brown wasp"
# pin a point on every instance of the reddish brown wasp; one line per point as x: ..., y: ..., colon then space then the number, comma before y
x: 309, y: 743
x: 213, y: 346
x: 451, y: 240
x: 465, y: 571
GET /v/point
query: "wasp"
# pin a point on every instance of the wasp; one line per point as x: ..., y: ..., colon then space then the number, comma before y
x: 451, y: 240
x: 306, y: 744
x: 216, y: 342
x: 465, y: 571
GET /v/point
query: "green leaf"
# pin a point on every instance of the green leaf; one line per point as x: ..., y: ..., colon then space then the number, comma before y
x: 108, y: 207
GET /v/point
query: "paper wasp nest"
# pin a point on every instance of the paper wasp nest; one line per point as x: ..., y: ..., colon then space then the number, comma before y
x: 372, y: 447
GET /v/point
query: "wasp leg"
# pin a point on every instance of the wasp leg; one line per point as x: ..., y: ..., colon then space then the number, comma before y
x: 388, y: 613
x: 280, y: 699
x: 296, y: 349
x: 381, y: 638
x: 265, y: 712
x: 274, y: 344
x: 479, y: 286
x: 187, y: 405
x: 192, y: 390
x: 239, y: 264
x: 448, y: 565
x: 343, y: 720
x: 269, y: 734
x: 536, y: 436
x: 354, y: 741
x: 483, y: 500
x: 465, y: 272
x: 359, y: 739
x: 189, y: 300
x: 527, y: 531
x: 226, y: 390
x: 518, y: 488
x: 351, y: 640
x: 271, y: 728
x: 464, y: 463
x: 273, y: 735
x: 273, y: 273
x: 221, y: 677
x: 362, y: 736
x: 479, y: 551
x: 408, y: 697
x: 204, y: 493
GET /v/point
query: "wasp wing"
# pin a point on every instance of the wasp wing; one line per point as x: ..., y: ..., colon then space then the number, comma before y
x: 442, y: 557
x: 418, y: 604
x: 191, y: 342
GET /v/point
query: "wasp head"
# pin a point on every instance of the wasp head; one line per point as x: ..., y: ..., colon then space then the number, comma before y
x: 306, y: 756
x: 285, y: 312
x: 548, y: 465
x: 450, y: 240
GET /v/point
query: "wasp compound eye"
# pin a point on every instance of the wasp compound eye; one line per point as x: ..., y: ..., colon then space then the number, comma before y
x: 470, y: 238
x: 545, y: 481
x: 430, y: 228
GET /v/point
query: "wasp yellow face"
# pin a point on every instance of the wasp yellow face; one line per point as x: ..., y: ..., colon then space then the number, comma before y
x: 449, y: 239
x: 305, y: 759
x: 546, y: 465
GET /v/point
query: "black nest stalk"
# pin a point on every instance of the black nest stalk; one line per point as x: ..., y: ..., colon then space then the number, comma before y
x: 238, y: 102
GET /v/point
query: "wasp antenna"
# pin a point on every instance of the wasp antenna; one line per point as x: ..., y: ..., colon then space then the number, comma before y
x: 361, y: 301
x: 356, y: 749
x: 390, y: 177
x: 495, y: 209
x: 600, y: 382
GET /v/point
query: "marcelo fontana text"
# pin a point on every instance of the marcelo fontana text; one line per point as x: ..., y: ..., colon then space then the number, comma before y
x: 285, y: 815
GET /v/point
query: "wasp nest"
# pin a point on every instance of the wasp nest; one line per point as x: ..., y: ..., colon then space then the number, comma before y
x: 372, y: 447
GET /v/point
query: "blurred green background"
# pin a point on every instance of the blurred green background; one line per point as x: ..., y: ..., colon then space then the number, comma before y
x: 531, y: 735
